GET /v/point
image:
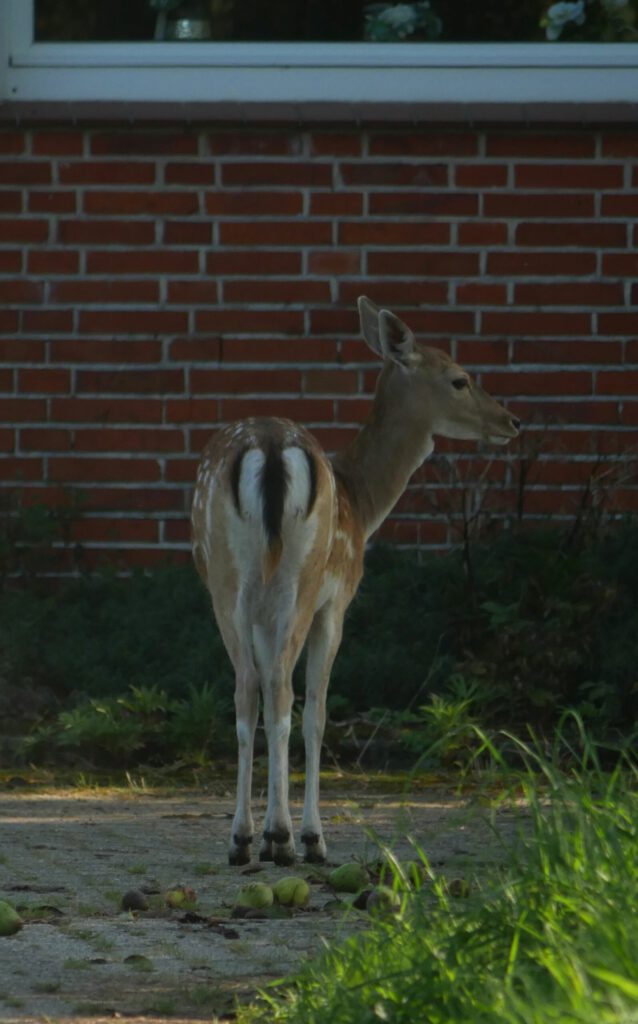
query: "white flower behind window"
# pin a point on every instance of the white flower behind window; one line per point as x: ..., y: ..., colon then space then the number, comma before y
x: 559, y: 15
x: 402, y: 18
x: 388, y: 22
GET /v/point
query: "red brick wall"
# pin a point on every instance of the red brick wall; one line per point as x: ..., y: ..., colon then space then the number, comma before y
x: 157, y: 282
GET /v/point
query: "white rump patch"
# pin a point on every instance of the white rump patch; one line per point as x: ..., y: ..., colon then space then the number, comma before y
x: 250, y: 500
x: 246, y: 538
x: 298, y: 482
x: 207, y: 492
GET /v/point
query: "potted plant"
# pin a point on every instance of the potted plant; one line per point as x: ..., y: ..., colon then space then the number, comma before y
x: 391, y: 22
x: 604, y: 21
x: 190, y: 21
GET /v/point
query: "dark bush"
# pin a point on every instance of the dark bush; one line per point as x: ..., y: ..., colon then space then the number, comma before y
x: 542, y: 625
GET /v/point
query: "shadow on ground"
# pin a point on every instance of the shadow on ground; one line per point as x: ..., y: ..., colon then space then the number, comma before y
x: 68, y: 855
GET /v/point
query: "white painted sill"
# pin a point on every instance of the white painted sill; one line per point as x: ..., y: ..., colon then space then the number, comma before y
x: 328, y: 75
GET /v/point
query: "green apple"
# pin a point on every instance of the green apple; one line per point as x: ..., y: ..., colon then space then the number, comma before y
x: 10, y: 920
x: 256, y: 896
x: 181, y: 897
x: 348, y: 878
x: 291, y: 892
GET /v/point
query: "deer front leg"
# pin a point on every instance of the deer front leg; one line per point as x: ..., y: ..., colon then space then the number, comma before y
x: 246, y: 708
x: 278, y: 843
x: 323, y: 643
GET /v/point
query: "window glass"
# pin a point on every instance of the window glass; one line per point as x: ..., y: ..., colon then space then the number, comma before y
x: 335, y: 20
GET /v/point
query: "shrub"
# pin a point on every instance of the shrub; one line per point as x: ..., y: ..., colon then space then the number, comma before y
x: 542, y: 624
x: 143, y: 725
x: 550, y: 936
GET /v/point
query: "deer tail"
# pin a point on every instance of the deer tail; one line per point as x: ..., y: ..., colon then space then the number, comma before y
x: 286, y: 482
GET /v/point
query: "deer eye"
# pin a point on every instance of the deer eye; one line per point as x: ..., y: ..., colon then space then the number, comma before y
x: 460, y: 383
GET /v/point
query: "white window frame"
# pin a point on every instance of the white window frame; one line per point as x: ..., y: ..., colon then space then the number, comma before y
x: 335, y: 75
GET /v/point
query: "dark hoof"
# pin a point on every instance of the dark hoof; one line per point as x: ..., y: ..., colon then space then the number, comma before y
x: 314, y: 856
x: 278, y: 836
x: 238, y: 858
x: 315, y: 848
x: 266, y: 855
x: 239, y: 853
x: 284, y: 858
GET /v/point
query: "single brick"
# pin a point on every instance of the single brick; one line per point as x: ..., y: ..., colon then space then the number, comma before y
x: 427, y: 204
x: 238, y: 382
x: 240, y: 203
x: 297, y: 291
x: 146, y: 261
x: 517, y: 322
x: 428, y: 264
x: 233, y: 262
x: 569, y: 176
x: 424, y: 143
x: 57, y: 143
x: 249, y: 321
x: 155, y: 203
x: 244, y: 142
x: 144, y: 143
x: 107, y: 172
x: 106, y: 232
x: 132, y: 322
x: 275, y: 233
x: 368, y: 232
x: 592, y: 293
x: 423, y: 175
x: 552, y: 145
x: 573, y: 235
x: 25, y: 172
x: 541, y: 264
x: 150, y: 381
x: 297, y: 175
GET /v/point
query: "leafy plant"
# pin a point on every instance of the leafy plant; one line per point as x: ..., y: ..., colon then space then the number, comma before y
x: 392, y: 22
x: 546, y: 620
x: 203, y: 718
x: 548, y: 936
x: 100, y: 730
x: 591, y: 20
x: 145, y: 724
x: 33, y: 538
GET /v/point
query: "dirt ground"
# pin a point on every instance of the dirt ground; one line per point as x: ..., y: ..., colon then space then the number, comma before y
x: 68, y: 855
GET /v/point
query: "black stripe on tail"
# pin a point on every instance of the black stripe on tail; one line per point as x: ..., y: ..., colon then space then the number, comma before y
x: 235, y: 473
x: 312, y: 476
x: 274, y: 484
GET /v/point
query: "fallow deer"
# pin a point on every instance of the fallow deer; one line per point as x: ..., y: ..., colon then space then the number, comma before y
x: 279, y: 531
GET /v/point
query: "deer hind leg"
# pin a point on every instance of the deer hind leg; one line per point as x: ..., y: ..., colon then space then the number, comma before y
x: 234, y: 626
x: 323, y: 643
x: 246, y: 708
x: 275, y: 660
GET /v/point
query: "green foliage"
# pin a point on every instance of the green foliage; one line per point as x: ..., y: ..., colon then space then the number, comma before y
x: 32, y: 536
x: 387, y: 22
x: 550, y: 936
x: 543, y: 622
x: 544, y: 626
x: 99, y: 635
x: 145, y: 724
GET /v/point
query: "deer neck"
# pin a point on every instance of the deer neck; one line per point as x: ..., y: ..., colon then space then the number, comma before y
x: 393, y: 442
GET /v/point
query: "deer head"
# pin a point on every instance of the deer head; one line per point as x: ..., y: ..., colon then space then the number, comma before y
x: 425, y: 384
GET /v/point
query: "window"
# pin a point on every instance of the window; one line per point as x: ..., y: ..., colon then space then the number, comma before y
x: 335, y: 20
x: 316, y: 54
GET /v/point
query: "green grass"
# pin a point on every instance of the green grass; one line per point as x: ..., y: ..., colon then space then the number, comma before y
x: 550, y: 937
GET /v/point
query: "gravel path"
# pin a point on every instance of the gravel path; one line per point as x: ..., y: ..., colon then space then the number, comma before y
x: 67, y: 856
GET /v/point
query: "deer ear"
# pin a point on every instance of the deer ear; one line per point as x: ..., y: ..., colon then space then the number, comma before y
x: 386, y: 335
x: 396, y: 338
x: 369, y: 320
